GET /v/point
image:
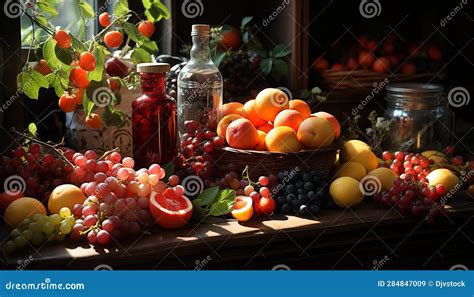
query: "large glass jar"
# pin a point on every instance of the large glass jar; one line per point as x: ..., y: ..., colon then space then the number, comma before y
x: 153, y: 118
x: 199, y: 85
x: 422, y: 119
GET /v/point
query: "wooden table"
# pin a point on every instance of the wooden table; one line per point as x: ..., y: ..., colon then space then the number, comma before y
x: 367, y: 237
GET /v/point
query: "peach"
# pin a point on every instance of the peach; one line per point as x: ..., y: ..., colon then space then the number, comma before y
x: 230, y: 108
x: 270, y: 102
x: 315, y: 132
x: 250, y: 113
x: 332, y: 119
x: 300, y: 106
x: 225, y: 122
x: 242, y: 134
x: 261, y: 141
x: 282, y: 139
x: 288, y: 118
x: 265, y: 127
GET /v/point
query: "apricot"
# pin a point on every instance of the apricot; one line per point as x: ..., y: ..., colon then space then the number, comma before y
x: 265, y: 127
x: 332, y: 119
x: 270, y: 102
x: 282, y: 139
x: 300, y: 106
x: 288, y: 118
x: 261, y: 141
x: 230, y: 108
x: 316, y: 132
x: 225, y: 122
x: 250, y: 113
x: 242, y: 134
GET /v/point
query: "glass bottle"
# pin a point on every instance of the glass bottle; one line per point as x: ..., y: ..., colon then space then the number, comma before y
x: 199, y: 86
x: 422, y: 119
x: 153, y: 118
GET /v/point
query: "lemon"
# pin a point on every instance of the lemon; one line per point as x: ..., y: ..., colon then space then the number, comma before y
x: 345, y: 192
x: 443, y: 176
x: 21, y: 209
x: 436, y: 156
x: 66, y: 195
x: 351, y: 169
x: 385, y: 175
x: 360, y: 152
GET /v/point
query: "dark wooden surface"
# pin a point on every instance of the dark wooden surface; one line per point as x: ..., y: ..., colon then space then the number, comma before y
x: 363, y: 238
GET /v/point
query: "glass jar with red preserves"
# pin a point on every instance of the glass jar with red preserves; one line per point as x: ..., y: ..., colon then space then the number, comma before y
x: 154, y: 127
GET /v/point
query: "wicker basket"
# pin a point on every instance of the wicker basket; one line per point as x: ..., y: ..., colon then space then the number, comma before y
x: 363, y: 81
x: 265, y: 163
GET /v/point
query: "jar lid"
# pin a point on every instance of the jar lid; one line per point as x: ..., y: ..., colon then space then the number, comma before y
x: 200, y: 30
x: 418, y: 88
x: 153, y: 67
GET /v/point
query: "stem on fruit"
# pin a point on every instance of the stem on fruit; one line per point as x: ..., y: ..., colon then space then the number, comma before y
x: 108, y: 153
x: 53, y: 147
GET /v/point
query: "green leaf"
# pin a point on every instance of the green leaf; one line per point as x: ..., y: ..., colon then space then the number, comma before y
x: 49, y: 54
x: 257, y: 50
x: 42, y: 20
x: 245, y: 21
x: 149, y: 46
x: 140, y: 55
x: 96, y: 74
x: 32, y: 129
x: 78, y: 45
x: 121, y: 8
x: 208, y: 196
x: 316, y: 90
x: 64, y: 54
x: 281, y: 50
x: 169, y: 170
x: 147, y: 3
x: 266, y: 66
x: 198, y: 211
x: 224, y: 203
x: 59, y: 80
x: 157, y: 11
x: 132, y: 31
x: 46, y: 8
x: 245, y: 37
x: 30, y: 81
x: 87, y: 10
x: 113, y: 117
x: 217, y: 59
x: 279, y: 69
x: 87, y: 104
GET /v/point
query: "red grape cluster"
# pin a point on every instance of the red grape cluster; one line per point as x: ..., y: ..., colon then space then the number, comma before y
x: 408, y: 164
x: 197, y: 145
x: 117, y: 203
x: 41, y: 172
x: 416, y: 197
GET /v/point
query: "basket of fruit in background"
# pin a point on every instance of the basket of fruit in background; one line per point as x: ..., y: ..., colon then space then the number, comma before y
x: 271, y: 133
x: 369, y: 61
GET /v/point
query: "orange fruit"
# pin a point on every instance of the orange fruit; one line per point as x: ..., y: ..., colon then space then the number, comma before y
x: 225, y: 122
x: 87, y: 61
x: 113, y: 39
x: 146, y: 28
x: 288, y: 118
x: 21, y: 209
x: 381, y: 65
x: 243, y: 208
x: 261, y: 141
x: 67, y: 102
x: 366, y: 59
x: 250, y: 113
x: 332, y: 119
x: 301, y: 107
x: 79, y: 94
x: 270, y: 102
x: 282, y: 139
x: 104, y: 19
x: 230, y: 108
x: 315, y: 132
x: 63, y: 39
x: 265, y: 127
x: 42, y: 67
x: 94, y: 121
x: 230, y: 37
x: 241, y: 134
x: 78, y: 77
x: 66, y: 195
